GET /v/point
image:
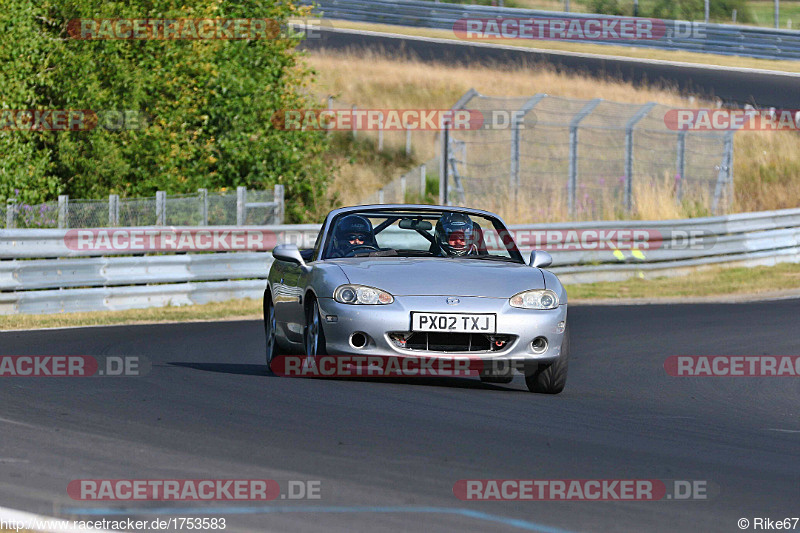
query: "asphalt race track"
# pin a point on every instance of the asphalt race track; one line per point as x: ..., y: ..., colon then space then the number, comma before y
x: 734, y: 86
x: 388, y: 453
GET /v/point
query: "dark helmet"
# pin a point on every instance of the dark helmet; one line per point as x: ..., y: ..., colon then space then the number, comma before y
x: 455, y: 234
x: 352, y: 231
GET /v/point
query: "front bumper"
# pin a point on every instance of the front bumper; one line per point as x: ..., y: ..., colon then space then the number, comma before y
x: 377, y: 321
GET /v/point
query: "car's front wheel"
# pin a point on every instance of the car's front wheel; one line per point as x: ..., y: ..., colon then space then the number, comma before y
x: 314, y: 336
x: 270, y: 329
x: 550, y: 378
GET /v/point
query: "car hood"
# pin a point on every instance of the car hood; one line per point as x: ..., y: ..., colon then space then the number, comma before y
x: 412, y: 276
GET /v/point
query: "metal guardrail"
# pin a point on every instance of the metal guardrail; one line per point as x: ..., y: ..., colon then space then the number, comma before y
x: 722, y: 39
x: 71, y: 281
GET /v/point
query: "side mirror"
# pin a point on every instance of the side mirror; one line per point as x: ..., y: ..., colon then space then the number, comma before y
x: 540, y: 259
x: 290, y: 254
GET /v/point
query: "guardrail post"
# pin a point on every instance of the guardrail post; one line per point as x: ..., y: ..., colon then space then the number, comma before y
x: 11, y: 213
x: 380, y: 196
x: 63, y: 211
x: 113, y: 210
x: 572, y: 178
x: 643, y: 111
x: 161, y: 208
x: 408, y: 141
x: 203, y: 200
x: 423, y: 181
x: 681, y: 164
x: 279, y: 209
x: 403, y: 188
x: 241, y: 208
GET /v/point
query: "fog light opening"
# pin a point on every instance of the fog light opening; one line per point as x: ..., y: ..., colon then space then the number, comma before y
x: 539, y: 345
x: 358, y: 339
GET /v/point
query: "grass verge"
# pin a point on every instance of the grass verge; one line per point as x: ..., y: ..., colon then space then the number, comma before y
x: 230, y: 310
x: 717, y: 281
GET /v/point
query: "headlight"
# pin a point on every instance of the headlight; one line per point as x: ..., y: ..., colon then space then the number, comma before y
x: 361, y: 295
x: 540, y: 299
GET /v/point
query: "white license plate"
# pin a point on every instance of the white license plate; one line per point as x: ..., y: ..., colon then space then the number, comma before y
x: 454, y: 322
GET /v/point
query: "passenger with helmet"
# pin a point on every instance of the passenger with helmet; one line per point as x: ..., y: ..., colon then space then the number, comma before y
x: 457, y: 235
x: 351, y: 232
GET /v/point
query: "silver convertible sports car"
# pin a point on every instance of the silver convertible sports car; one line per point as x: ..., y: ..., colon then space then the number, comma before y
x: 420, y: 280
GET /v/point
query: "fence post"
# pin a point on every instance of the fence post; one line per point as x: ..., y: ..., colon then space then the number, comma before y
x: 444, y: 155
x: 279, y: 210
x: 330, y: 106
x: 380, y: 132
x: 380, y: 196
x: 517, y: 118
x: 423, y: 181
x: 725, y: 172
x: 113, y: 210
x: 353, y: 118
x: 203, y: 199
x: 63, y: 211
x: 403, y: 188
x: 11, y: 213
x: 681, y: 164
x: 408, y: 141
x: 161, y: 208
x: 572, y: 183
x: 643, y: 111
x: 241, y: 208
x: 444, y: 147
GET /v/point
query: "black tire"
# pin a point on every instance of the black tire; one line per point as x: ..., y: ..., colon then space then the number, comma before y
x: 314, y: 327
x: 272, y: 347
x: 550, y: 378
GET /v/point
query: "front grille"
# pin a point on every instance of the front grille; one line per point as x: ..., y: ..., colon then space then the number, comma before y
x: 451, y: 342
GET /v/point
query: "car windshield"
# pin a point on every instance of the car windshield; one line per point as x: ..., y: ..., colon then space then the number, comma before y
x: 419, y: 233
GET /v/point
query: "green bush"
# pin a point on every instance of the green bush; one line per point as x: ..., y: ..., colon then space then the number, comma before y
x: 210, y: 103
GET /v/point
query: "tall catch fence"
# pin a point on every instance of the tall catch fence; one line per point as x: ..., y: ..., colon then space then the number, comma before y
x: 568, y: 159
x: 240, y: 207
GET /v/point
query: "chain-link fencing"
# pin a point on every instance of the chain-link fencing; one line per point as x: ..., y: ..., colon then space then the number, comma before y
x: 235, y: 208
x: 567, y: 159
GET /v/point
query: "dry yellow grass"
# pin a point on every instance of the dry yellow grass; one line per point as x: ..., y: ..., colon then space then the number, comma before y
x: 766, y: 164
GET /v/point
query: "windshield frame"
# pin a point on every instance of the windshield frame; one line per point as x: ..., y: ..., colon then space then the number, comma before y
x: 322, y: 253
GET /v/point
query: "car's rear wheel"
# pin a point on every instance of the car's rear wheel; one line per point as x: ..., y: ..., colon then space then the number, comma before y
x: 550, y: 378
x: 270, y: 329
x: 314, y: 336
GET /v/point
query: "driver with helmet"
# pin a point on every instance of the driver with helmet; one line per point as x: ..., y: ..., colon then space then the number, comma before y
x: 456, y: 235
x: 351, y: 232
